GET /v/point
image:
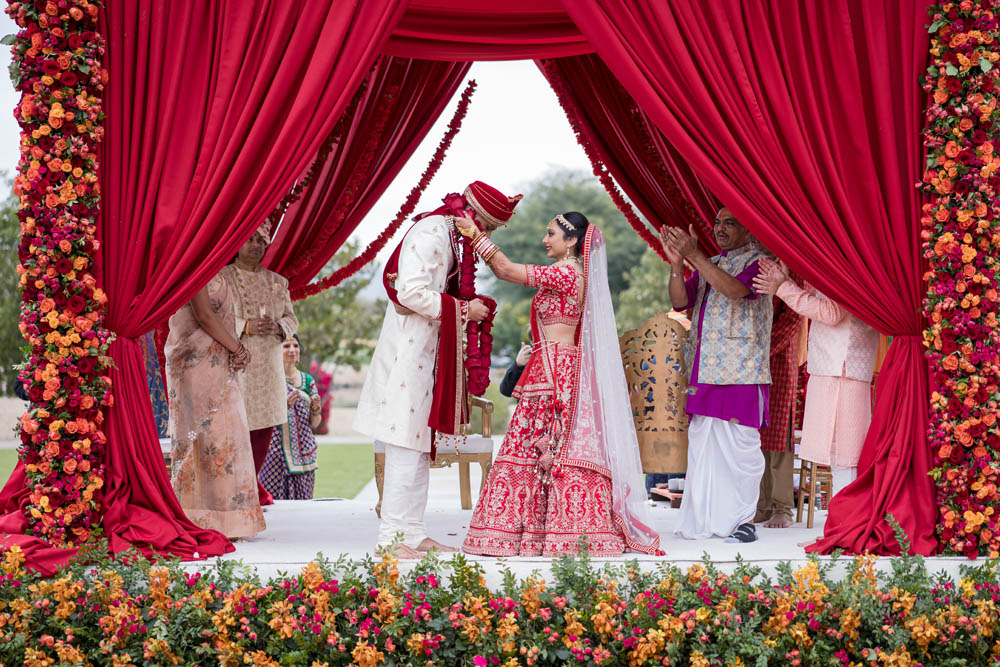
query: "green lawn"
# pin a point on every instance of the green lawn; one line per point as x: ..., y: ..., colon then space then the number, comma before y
x: 343, y: 469
x: 8, y: 458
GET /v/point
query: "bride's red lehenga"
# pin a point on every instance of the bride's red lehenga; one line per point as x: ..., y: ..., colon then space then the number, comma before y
x: 519, y: 513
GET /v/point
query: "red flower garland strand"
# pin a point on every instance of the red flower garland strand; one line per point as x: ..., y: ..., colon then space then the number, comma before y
x: 669, y: 184
x: 405, y: 210
x: 558, y: 85
x: 961, y: 237
x: 57, y: 68
x: 478, y: 335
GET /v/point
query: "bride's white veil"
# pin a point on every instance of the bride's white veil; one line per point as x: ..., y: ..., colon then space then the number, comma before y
x: 602, y: 436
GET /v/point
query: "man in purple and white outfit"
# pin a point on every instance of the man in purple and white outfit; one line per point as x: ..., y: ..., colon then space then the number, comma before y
x: 727, y: 359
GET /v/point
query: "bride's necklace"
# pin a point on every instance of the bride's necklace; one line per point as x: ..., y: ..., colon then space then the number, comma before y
x: 571, y: 259
x: 295, y: 378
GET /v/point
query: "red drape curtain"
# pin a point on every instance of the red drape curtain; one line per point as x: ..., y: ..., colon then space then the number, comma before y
x: 804, y: 118
x: 478, y: 30
x: 213, y: 110
x: 653, y: 175
x: 420, y: 89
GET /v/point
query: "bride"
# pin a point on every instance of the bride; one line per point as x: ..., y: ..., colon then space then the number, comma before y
x: 568, y: 470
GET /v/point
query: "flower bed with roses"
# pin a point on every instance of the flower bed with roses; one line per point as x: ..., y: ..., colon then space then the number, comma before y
x: 961, y: 236
x: 57, y: 69
x: 128, y: 611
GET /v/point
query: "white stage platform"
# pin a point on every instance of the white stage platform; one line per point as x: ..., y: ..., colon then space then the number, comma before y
x: 298, y: 530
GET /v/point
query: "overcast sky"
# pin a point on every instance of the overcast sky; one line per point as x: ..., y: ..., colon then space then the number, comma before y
x: 514, y: 131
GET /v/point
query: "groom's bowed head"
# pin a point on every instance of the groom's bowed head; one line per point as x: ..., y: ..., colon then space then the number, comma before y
x: 490, y: 208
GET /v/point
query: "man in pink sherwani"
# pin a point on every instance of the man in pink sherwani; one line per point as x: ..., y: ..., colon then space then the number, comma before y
x: 841, y: 360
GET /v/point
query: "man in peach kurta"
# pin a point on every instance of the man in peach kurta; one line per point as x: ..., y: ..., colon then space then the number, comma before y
x: 841, y: 362
x: 777, y: 497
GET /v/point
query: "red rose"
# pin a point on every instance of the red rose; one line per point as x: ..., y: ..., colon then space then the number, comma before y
x: 962, y: 188
x: 957, y: 455
x: 76, y: 304
x: 953, y: 85
x: 75, y: 42
x: 68, y: 79
x: 50, y: 67
x: 455, y: 202
x: 86, y: 365
x: 64, y: 266
x: 35, y: 393
x: 965, y: 156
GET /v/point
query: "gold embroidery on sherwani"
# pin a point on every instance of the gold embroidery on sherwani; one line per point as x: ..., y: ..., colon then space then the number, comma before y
x: 257, y: 294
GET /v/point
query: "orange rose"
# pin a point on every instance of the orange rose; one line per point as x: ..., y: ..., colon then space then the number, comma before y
x: 52, y: 448
x: 964, y: 125
x: 86, y: 402
x: 941, y: 96
x: 958, y: 39
x: 942, y: 214
x: 951, y: 149
x: 950, y: 362
x: 46, y: 305
x: 85, y: 465
x: 69, y: 465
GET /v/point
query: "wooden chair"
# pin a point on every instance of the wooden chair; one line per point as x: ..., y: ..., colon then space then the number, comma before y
x: 813, y: 478
x: 461, y: 449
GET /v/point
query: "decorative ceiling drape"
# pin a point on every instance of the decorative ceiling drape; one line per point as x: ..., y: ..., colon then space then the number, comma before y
x: 653, y: 175
x: 402, y: 99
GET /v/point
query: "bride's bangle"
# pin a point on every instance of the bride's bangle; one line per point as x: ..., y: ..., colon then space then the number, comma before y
x: 485, y: 247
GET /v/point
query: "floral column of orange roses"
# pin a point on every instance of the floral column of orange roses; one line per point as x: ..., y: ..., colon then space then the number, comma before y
x: 961, y: 237
x: 57, y: 68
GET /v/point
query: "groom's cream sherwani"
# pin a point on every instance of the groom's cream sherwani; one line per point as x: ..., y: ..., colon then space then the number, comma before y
x: 395, y: 402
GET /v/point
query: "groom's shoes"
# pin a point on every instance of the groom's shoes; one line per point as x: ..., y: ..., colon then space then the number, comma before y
x: 427, y: 544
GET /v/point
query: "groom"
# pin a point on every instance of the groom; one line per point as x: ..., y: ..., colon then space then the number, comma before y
x: 406, y: 377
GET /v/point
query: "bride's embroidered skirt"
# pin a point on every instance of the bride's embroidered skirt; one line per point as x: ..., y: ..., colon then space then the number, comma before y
x: 520, y: 514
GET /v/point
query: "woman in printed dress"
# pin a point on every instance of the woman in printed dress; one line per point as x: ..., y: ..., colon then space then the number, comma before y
x: 568, y: 472
x: 212, y: 472
x: 289, y: 471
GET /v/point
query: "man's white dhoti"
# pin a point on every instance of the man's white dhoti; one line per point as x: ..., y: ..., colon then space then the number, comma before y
x: 404, y: 496
x: 722, y: 485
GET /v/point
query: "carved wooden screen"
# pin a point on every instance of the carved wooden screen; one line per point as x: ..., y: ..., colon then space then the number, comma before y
x: 653, y: 356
